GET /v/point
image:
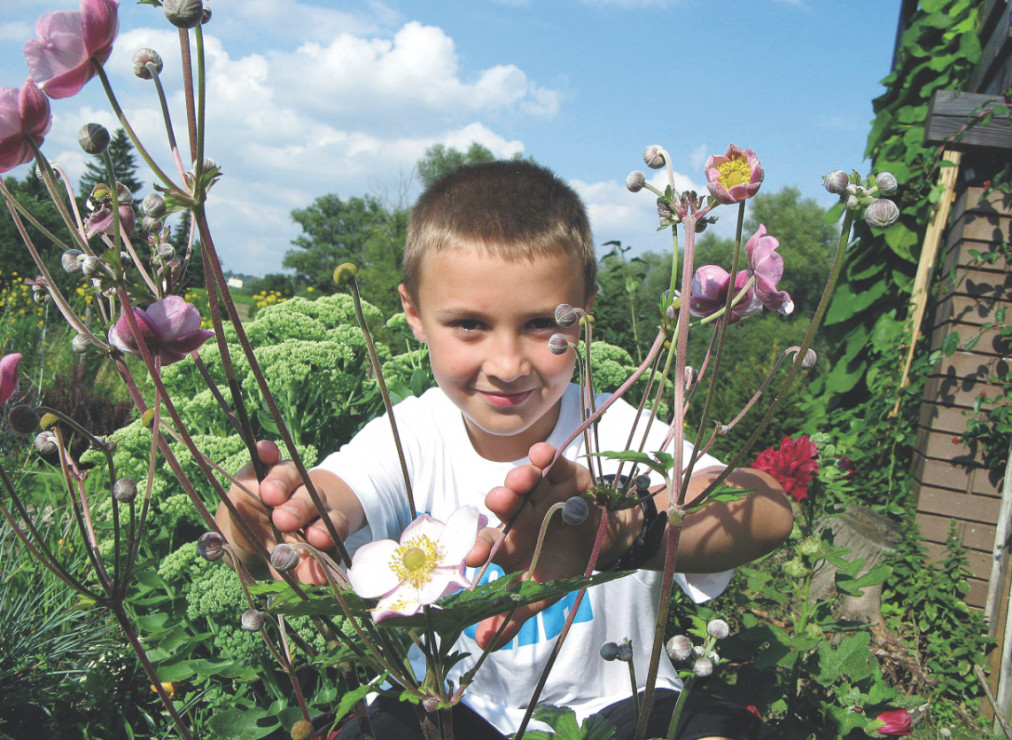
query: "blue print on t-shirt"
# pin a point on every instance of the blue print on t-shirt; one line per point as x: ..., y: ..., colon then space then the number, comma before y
x: 546, y: 625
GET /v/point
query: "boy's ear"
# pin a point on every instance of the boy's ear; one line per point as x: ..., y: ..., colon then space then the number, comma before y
x: 590, y: 299
x: 411, y: 313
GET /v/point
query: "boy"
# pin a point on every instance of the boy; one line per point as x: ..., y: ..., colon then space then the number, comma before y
x: 491, y: 251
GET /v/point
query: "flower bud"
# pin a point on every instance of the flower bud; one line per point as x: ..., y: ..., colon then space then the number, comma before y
x: 154, y: 205
x: 24, y: 419
x: 71, y: 261
x: 165, y: 250
x: 575, y: 511
x: 679, y: 648
x: 344, y: 274
x: 302, y: 730
x: 91, y: 265
x: 93, y: 138
x: 635, y: 181
x: 558, y: 344
x: 252, y: 620
x: 642, y: 484
x: 144, y: 57
x: 124, y: 490
x: 609, y: 651
x: 565, y: 315
x: 48, y: 420
x: 430, y: 704
x: 80, y: 343
x: 718, y: 629
x: 148, y: 418
x: 881, y: 213
x: 625, y: 651
x: 211, y: 546
x: 853, y: 203
x: 653, y: 157
x: 836, y: 182
x: 151, y: 225
x: 702, y: 667
x: 810, y: 358
x: 284, y: 558
x: 183, y: 13
x: 886, y: 182
x: 46, y: 443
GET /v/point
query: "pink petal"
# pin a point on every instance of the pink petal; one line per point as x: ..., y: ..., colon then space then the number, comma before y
x: 173, y: 317
x: 399, y: 603
x: 370, y: 574
x: 99, y: 24
x: 123, y: 339
x: 180, y: 347
x: 459, y: 535
x: 444, y: 581
x: 9, y: 375
x: 58, y: 60
x: 423, y: 526
x: 35, y: 114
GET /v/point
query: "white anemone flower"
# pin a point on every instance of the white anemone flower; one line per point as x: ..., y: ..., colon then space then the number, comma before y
x: 427, y: 564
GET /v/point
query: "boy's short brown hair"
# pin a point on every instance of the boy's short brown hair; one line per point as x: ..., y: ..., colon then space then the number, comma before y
x: 509, y: 209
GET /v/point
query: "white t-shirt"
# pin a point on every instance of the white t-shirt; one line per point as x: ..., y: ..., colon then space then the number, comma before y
x: 446, y: 474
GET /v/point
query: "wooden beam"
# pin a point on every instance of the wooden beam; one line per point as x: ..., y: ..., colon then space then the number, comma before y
x: 951, y: 115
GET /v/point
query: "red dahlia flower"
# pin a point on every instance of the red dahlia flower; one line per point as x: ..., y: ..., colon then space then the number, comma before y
x: 793, y: 464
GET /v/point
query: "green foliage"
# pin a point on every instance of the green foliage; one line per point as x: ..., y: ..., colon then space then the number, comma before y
x: 17, y: 262
x: 438, y: 160
x: 880, y: 266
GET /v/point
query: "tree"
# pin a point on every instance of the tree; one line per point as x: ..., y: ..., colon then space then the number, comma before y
x: 14, y: 257
x: 124, y: 164
x: 438, y: 160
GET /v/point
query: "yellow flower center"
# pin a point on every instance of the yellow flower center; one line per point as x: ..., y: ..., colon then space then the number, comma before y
x: 414, y: 561
x: 733, y: 172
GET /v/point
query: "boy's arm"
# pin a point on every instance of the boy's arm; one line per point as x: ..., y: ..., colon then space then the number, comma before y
x: 720, y: 537
x: 293, y: 511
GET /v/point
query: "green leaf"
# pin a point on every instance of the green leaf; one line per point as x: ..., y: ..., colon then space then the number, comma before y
x: 563, y: 721
x: 349, y: 700
x: 241, y: 724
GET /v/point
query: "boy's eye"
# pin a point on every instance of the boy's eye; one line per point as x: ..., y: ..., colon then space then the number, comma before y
x: 467, y: 325
x: 544, y: 323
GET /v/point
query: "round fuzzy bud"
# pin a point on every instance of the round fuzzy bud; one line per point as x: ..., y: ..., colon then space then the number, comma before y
x: 853, y: 203
x: 653, y: 157
x: 635, y: 181
x: 718, y: 629
x: 642, y: 483
x: 91, y: 265
x: 284, y: 558
x: 609, y: 651
x: 565, y: 315
x: 45, y: 443
x: 148, y: 418
x: 302, y: 730
x: 810, y: 358
x: 344, y: 274
x: 93, y: 138
x: 625, y: 651
x: 211, y: 546
x: 679, y: 648
x: 151, y: 225
x: 144, y: 57
x: 154, y: 205
x: 24, y: 419
x: 836, y: 182
x: 575, y: 511
x: 886, y: 182
x: 430, y: 704
x: 205, y: 17
x: 165, y: 250
x: 558, y: 344
x: 124, y: 490
x: 702, y: 667
x: 183, y: 13
x: 881, y: 213
x: 81, y: 344
x: 252, y: 620
x: 70, y: 261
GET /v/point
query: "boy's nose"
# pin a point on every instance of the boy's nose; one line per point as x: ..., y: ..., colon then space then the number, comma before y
x: 507, y: 361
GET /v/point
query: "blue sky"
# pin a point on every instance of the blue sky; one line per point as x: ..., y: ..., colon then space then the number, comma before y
x: 314, y: 97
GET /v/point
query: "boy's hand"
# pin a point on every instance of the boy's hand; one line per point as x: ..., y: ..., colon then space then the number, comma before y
x: 566, y: 549
x: 294, y: 513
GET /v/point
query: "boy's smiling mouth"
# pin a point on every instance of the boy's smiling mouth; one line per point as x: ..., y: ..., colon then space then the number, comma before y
x: 505, y: 399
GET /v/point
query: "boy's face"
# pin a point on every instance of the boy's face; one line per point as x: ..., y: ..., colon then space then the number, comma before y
x: 487, y: 322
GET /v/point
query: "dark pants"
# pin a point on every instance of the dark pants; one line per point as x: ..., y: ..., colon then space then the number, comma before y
x: 703, y: 716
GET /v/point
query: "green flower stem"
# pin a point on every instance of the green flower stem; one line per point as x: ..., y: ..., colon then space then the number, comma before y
x: 680, y: 705
x: 70, y: 196
x: 188, y: 97
x: 557, y: 647
x: 284, y: 656
x: 49, y: 178
x: 215, y: 273
x: 120, y: 237
x: 377, y: 368
x: 635, y: 693
x: 198, y: 157
x: 121, y: 116
x: 169, y: 132
x: 541, y: 536
x: 216, y: 392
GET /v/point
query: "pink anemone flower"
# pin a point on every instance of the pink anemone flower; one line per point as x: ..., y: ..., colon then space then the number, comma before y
x: 24, y: 119
x: 768, y: 267
x: 735, y: 176
x: 895, y: 723
x: 427, y: 564
x: 708, y: 293
x: 69, y: 45
x: 170, y: 328
x: 101, y: 219
x: 9, y: 375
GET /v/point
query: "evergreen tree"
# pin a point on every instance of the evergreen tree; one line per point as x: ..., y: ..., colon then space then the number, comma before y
x: 124, y: 163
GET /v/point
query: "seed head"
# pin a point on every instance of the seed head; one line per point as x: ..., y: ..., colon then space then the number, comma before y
x: 211, y: 546
x: 653, y: 157
x: 635, y: 181
x: 881, y: 213
x: 284, y: 558
x: 93, y: 138
x: 252, y: 620
x: 718, y: 629
x: 144, y: 57
x: 124, y: 490
x: 836, y: 182
x: 679, y: 648
x: 575, y: 511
